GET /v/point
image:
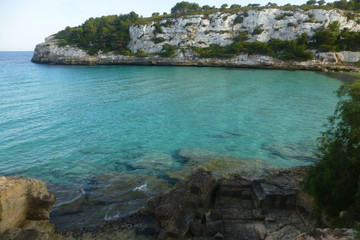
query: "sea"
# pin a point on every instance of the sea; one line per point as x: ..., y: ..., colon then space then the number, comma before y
x: 105, y: 138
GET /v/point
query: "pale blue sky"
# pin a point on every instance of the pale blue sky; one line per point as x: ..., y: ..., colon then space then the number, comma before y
x: 24, y: 23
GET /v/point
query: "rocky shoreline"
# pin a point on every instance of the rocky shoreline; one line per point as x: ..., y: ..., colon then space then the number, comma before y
x: 199, y: 207
x: 50, y: 53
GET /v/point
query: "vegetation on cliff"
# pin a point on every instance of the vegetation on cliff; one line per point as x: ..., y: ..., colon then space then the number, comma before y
x: 111, y: 33
x: 334, y: 181
x: 285, y: 50
x: 107, y: 33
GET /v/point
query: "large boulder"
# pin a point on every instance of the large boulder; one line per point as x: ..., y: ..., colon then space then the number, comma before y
x: 24, y: 203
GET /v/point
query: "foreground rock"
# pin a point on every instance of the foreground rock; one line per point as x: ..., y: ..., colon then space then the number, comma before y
x: 184, y: 207
x: 234, y: 207
x: 329, y: 234
x: 24, y: 208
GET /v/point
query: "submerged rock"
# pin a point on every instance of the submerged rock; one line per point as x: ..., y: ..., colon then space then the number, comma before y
x: 219, y: 163
x: 108, y: 197
x: 155, y: 162
x: 304, y: 151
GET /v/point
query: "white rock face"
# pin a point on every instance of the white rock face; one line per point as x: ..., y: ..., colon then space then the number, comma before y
x: 219, y: 28
x: 347, y: 56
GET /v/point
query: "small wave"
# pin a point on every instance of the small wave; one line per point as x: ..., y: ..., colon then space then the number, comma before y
x: 114, y: 217
x: 82, y: 191
x: 142, y: 188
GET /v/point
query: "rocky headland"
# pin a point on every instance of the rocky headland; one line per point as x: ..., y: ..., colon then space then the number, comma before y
x: 198, y: 207
x: 190, y: 32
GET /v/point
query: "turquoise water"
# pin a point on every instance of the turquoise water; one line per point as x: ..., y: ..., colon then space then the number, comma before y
x: 68, y: 124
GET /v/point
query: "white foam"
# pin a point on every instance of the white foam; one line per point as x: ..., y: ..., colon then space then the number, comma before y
x: 142, y: 188
x: 109, y: 218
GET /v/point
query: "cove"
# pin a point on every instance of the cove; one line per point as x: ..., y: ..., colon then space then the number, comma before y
x: 83, y: 129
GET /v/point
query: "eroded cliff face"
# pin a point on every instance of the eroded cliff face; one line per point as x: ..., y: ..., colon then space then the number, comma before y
x: 221, y: 28
x: 218, y: 28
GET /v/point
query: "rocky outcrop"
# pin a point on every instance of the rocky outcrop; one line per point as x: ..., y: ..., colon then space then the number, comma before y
x: 234, y: 207
x: 217, y: 28
x: 24, y: 208
x: 183, y: 208
x: 50, y: 52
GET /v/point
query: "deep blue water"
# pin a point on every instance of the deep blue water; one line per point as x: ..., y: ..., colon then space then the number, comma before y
x: 68, y: 124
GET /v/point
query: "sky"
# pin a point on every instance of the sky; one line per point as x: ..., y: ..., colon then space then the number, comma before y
x: 25, y: 23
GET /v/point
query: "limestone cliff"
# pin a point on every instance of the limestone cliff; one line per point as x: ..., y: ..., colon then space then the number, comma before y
x: 219, y: 28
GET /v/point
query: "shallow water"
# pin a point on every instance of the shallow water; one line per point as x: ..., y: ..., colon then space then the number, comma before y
x: 69, y: 125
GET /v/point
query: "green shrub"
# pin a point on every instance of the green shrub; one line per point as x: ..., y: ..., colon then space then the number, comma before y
x: 141, y: 53
x: 285, y: 50
x: 325, y: 40
x: 167, y: 24
x: 168, y: 50
x: 242, y: 37
x: 62, y: 43
x: 291, y: 24
x: 334, y: 182
x: 158, y: 28
x: 239, y: 19
x: 258, y: 30
x: 284, y: 15
x: 110, y: 33
x: 158, y: 40
x: 311, y: 18
x: 258, y: 48
x: 126, y: 52
x: 213, y: 51
x: 185, y: 7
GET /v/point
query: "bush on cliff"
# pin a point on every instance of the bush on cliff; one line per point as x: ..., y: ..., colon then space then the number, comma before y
x: 185, y: 7
x: 334, y: 182
x: 110, y: 33
x: 332, y: 39
x: 285, y: 50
